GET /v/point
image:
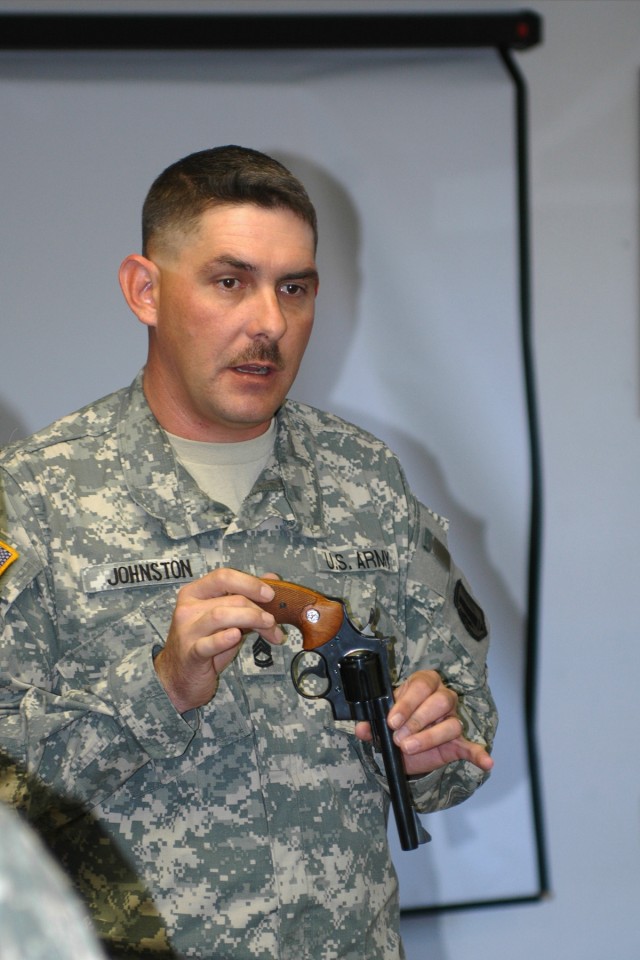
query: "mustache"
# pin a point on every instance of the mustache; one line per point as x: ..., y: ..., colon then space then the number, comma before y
x: 259, y: 353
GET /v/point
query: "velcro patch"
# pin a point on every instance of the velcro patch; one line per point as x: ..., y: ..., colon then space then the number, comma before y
x: 7, y: 556
x: 470, y: 612
x: 436, y: 547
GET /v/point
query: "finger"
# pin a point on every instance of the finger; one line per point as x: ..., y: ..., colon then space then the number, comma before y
x: 226, y: 581
x: 478, y: 755
x: 216, y: 646
x: 409, y: 695
x: 223, y: 622
x: 458, y: 749
x: 276, y: 636
x: 362, y: 731
x: 432, y: 737
x: 421, y: 701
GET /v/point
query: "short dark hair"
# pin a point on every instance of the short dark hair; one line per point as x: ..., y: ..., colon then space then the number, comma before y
x: 231, y: 174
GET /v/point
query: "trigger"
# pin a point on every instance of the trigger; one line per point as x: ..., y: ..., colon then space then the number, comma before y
x: 372, y: 622
x: 311, y: 672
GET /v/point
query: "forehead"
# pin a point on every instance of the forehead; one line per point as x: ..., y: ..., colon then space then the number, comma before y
x: 246, y: 226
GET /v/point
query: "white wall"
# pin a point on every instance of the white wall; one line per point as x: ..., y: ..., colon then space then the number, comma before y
x: 583, y: 84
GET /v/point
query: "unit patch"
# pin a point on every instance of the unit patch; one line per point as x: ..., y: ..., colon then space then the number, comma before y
x: 470, y: 612
x: 7, y: 556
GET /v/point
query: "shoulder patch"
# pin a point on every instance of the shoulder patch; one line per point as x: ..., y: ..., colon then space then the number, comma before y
x: 470, y: 612
x: 7, y: 556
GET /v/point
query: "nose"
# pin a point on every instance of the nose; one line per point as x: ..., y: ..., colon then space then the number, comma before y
x: 267, y: 317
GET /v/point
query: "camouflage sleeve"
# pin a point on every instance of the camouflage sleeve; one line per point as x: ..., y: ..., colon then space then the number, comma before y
x: 41, y: 917
x: 77, y: 741
x: 446, y: 631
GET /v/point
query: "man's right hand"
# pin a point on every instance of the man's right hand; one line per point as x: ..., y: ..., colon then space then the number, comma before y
x: 210, y: 618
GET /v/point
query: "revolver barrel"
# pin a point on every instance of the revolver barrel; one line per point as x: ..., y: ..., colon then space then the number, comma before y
x: 371, y: 699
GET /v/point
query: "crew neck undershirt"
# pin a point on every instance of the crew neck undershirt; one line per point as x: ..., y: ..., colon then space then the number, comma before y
x: 226, y: 472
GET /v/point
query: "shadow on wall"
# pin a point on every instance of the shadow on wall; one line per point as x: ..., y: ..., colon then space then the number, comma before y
x: 336, y: 322
x: 340, y: 280
x: 12, y: 427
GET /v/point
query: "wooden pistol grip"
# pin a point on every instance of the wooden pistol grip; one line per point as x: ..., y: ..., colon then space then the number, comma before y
x: 317, y: 617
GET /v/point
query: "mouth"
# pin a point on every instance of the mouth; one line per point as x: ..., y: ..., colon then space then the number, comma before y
x: 260, y: 360
x: 254, y: 369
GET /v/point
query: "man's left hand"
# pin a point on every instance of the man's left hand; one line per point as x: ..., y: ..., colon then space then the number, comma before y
x: 427, y: 728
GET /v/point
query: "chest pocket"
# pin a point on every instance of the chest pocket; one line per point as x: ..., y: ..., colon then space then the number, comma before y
x: 86, y: 664
x: 220, y: 723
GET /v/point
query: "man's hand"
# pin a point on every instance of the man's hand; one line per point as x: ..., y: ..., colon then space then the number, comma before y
x: 427, y: 727
x: 210, y: 618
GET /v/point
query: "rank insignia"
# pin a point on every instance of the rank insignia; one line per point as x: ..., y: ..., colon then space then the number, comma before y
x: 7, y: 556
x: 262, y: 653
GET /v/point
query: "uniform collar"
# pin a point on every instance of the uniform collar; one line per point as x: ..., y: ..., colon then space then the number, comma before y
x: 288, y: 487
x: 295, y: 453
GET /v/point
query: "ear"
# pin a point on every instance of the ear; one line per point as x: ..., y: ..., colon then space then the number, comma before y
x: 140, y: 281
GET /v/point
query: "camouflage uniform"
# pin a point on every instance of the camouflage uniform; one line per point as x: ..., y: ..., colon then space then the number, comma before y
x: 254, y: 827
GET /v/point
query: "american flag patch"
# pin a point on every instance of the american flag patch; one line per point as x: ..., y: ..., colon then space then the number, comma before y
x: 7, y: 556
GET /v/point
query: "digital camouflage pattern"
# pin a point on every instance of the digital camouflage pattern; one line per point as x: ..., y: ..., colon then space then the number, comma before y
x: 255, y: 827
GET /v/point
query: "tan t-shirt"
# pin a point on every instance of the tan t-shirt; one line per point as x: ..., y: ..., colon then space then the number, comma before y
x: 225, y: 471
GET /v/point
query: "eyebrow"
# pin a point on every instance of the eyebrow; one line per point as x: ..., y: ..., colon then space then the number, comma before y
x: 226, y: 260
x: 309, y: 274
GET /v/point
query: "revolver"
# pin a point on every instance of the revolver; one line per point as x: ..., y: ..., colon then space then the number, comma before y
x: 350, y: 669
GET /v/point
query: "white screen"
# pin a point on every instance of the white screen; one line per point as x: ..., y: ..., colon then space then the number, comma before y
x: 409, y: 158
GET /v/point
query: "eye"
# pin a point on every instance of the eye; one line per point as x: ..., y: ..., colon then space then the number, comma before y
x: 293, y: 289
x: 229, y: 283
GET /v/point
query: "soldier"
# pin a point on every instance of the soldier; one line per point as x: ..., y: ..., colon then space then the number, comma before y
x: 147, y: 715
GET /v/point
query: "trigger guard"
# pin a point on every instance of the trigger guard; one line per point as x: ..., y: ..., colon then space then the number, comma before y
x: 318, y: 669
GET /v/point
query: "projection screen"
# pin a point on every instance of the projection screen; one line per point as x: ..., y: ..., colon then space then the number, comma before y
x: 409, y: 156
